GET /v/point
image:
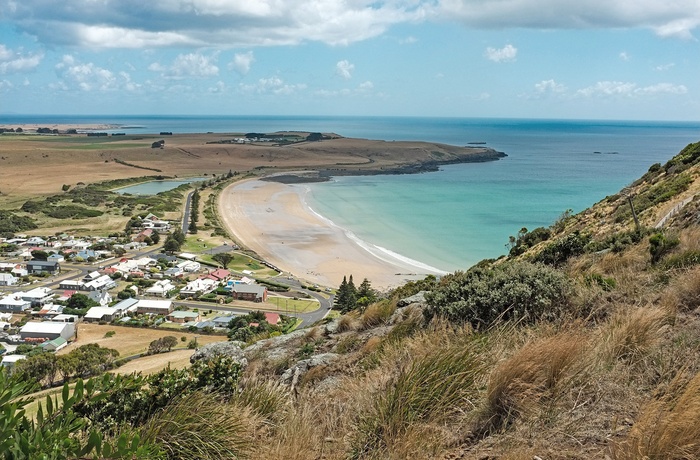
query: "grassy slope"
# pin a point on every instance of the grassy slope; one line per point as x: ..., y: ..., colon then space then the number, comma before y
x: 620, y: 380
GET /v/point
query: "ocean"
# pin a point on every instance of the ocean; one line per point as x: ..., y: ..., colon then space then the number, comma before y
x: 453, y: 218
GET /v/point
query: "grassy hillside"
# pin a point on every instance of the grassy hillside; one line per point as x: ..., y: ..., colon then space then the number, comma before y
x: 583, y: 343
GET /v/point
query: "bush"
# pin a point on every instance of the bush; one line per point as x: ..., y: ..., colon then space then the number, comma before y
x: 559, y: 251
x: 511, y: 291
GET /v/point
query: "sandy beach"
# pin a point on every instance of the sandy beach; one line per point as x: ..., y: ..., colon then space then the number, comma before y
x: 274, y: 220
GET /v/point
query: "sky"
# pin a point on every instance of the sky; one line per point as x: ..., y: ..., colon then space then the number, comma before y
x: 577, y: 59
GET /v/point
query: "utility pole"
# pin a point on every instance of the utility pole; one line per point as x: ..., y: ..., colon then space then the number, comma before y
x: 628, y: 194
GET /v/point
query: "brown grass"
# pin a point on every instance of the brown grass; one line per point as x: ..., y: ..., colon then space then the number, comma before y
x: 216, y: 429
x: 683, y: 293
x: 346, y: 323
x: 632, y: 333
x: 377, y: 313
x: 129, y: 341
x: 538, y: 370
x: 668, y: 427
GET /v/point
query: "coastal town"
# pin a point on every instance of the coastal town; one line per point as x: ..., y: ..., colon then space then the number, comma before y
x: 139, y: 261
x: 51, y: 287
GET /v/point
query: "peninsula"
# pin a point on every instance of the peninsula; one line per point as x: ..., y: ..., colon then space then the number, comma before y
x: 272, y: 219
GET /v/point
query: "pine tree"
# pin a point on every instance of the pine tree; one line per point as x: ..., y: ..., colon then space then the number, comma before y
x: 365, y: 294
x: 352, y: 295
x: 341, y: 295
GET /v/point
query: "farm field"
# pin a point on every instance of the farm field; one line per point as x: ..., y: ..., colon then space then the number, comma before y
x: 129, y: 341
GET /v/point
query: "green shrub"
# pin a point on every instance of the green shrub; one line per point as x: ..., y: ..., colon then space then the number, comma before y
x: 607, y: 284
x: 660, y: 245
x: 12, y: 223
x: 519, y: 291
x: 560, y: 250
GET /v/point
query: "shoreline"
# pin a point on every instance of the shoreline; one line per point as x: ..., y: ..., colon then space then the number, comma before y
x: 275, y: 221
x: 81, y: 128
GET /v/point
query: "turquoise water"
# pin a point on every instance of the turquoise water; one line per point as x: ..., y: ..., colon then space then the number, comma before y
x: 453, y: 218
x: 156, y: 186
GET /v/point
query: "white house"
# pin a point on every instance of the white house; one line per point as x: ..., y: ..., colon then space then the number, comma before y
x: 104, y: 298
x: 161, y: 288
x: 189, y: 266
x: 157, y: 307
x: 102, y: 282
x: 9, y: 361
x: 37, y: 296
x: 7, y: 279
x: 56, y: 258
x: 198, y: 287
x: 14, y: 303
x: 35, y: 241
x: 108, y: 314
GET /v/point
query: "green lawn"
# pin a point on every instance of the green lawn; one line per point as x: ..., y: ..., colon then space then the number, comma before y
x: 239, y: 263
x: 293, y: 306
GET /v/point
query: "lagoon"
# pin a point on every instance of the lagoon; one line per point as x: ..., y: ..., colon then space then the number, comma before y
x: 156, y: 186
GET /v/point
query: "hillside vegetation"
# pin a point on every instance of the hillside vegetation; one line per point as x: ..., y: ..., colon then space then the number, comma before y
x: 583, y: 343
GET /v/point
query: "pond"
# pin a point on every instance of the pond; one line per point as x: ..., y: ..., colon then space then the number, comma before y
x: 156, y: 186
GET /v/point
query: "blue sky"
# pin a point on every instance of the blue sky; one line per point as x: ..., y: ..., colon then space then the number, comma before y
x: 588, y: 59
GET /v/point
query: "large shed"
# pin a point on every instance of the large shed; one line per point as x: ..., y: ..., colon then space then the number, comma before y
x: 48, y: 330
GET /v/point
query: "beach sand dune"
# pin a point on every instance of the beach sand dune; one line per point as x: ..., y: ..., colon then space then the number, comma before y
x: 274, y: 220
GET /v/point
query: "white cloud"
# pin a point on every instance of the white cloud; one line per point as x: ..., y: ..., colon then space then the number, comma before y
x: 628, y: 89
x: 624, y: 56
x: 272, y: 85
x: 505, y: 54
x: 344, y: 69
x: 549, y: 87
x: 408, y: 40
x: 99, y: 36
x: 15, y: 62
x: 662, y: 88
x: 225, y: 23
x: 89, y: 77
x: 220, y: 87
x: 366, y: 86
x: 241, y: 62
x: 664, y: 67
x: 188, y: 65
x: 674, y: 18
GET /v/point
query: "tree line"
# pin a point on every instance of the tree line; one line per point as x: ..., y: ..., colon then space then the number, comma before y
x: 349, y: 297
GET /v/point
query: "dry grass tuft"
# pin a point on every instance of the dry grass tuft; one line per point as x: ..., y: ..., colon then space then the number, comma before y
x: 312, y: 334
x: 377, y: 314
x: 534, y: 372
x: 683, y: 293
x: 631, y: 334
x: 214, y: 430
x: 668, y: 428
x: 266, y: 398
x: 372, y: 345
x: 424, y: 394
x: 346, y: 323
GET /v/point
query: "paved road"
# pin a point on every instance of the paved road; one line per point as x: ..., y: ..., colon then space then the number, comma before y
x: 186, y: 215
